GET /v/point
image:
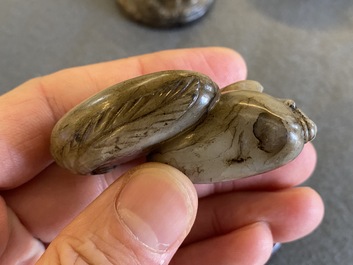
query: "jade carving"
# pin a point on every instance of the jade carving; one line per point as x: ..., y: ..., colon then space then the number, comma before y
x: 183, y: 119
x: 165, y: 13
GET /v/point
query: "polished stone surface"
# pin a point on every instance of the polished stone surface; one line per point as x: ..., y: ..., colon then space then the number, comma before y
x: 246, y: 133
x: 295, y: 49
x: 131, y: 118
x: 165, y: 13
x: 181, y: 118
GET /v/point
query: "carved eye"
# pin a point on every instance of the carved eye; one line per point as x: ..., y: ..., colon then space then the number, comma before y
x: 271, y: 133
x: 291, y: 104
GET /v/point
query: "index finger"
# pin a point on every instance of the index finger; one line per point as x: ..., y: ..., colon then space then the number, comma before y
x: 30, y: 111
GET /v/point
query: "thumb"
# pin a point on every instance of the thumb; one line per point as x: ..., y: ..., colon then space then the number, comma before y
x: 142, y: 218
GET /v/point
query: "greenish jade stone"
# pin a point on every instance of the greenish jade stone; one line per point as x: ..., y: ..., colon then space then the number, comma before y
x: 181, y: 118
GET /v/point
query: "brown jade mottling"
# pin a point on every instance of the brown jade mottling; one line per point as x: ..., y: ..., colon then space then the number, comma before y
x: 165, y: 13
x: 181, y: 118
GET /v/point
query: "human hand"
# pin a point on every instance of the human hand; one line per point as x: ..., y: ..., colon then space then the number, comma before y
x: 144, y: 216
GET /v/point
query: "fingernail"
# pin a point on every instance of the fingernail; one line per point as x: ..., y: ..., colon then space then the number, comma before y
x: 155, y: 208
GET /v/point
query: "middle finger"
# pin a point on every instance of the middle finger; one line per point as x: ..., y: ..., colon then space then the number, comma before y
x: 290, y: 213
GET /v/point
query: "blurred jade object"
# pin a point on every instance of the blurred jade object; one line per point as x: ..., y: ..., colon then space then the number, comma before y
x: 165, y: 13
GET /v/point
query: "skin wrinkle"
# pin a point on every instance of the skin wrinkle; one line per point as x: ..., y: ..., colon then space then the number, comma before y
x: 55, y: 104
x: 95, y: 249
x: 233, y: 247
x: 211, y: 72
x: 216, y: 224
x: 61, y: 251
x: 268, y: 214
x: 140, y: 63
x: 93, y: 245
x: 91, y: 79
x: 50, y: 105
x: 13, y: 157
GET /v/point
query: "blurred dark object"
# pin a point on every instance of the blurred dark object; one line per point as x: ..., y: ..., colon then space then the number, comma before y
x: 165, y: 13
